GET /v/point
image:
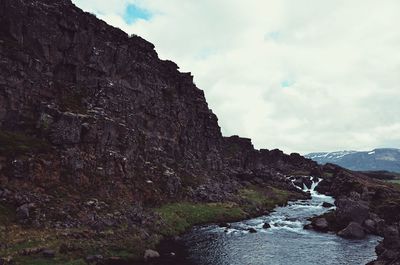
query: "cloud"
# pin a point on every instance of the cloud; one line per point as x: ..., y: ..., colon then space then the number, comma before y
x: 302, y: 76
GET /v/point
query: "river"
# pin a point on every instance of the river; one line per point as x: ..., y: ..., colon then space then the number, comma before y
x: 285, y: 242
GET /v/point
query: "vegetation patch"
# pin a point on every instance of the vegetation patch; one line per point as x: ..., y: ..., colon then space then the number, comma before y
x: 15, y: 143
x: 394, y: 181
x: 178, y: 217
x: 39, y: 260
x: 262, y: 199
x: 71, y: 246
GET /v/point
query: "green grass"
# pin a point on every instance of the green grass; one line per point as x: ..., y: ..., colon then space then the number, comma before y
x: 38, y: 260
x: 178, y: 217
x: 15, y: 143
x: 394, y: 181
x: 263, y: 198
x: 124, y: 242
x: 123, y: 254
x: 253, y: 196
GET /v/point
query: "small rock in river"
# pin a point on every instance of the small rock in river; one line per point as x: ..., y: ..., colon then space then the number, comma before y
x: 252, y: 230
x: 327, y: 205
x: 266, y: 226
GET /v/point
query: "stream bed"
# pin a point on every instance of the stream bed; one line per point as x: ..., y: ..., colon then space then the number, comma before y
x: 285, y: 242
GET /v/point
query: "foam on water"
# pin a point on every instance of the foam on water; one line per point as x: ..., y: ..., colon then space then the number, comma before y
x: 285, y: 242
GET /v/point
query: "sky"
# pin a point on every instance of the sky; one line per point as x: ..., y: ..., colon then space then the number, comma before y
x: 298, y: 75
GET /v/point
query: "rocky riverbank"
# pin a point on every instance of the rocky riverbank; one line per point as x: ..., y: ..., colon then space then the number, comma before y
x: 363, y: 206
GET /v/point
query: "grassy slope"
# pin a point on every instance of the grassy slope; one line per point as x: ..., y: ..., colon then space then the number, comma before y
x: 178, y: 217
x: 126, y: 242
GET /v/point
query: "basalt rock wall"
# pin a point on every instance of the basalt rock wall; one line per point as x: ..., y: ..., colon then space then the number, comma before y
x: 85, y: 106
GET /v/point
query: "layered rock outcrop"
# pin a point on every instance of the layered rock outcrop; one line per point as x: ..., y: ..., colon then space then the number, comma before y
x: 91, y: 114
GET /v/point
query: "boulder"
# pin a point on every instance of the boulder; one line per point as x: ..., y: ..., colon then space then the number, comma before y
x: 48, y: 253
x: 151, y: 254
x: 370, y: 226
x: 266, y: 226
x: 352, y: 231
x: 380, y: 248
x: 308, y: 182
x: 298, y: 182
x: 22, y: 212
x: 349, y: 210
x: 320, y: 224
x: 391, y: 237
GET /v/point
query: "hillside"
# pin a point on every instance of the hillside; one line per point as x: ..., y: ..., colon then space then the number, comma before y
x: 387, y: 159
x: 105, y: 149
x: 102, y: 140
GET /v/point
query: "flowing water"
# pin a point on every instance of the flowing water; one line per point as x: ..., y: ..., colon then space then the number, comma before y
x: 286, y: 242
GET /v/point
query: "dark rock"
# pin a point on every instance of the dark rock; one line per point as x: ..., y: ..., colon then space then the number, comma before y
x: 308, y: 226
x: 22, y: 212
x: 320, y: 224
x: 266, y: 226
x: 224, y: 225
x: 48, y: 253
x: 327, y: 205
x: 66, y: 248
x: 298, y: 182
x: 303, y: 181
x: 308, y: 182
x: 370, y: 226
x: 390, y: 254
x: 352, y: 231
x: 252, y: 230
x: 391, y: 237
x: 349, y: 210
x: 379, y: 249
x: 94, y: 258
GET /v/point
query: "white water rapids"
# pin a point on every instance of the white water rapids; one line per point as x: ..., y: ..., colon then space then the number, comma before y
x: 285, y: 242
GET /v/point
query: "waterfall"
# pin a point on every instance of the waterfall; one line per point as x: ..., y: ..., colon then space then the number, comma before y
x: 282, y: 240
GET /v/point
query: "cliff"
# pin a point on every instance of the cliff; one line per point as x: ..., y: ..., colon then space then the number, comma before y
x: 96, y: 132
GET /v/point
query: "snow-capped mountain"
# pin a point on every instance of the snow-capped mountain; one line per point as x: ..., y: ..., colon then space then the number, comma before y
x: 378, y: 159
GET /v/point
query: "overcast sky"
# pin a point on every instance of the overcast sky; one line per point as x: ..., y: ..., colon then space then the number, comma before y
x: 299, y: 75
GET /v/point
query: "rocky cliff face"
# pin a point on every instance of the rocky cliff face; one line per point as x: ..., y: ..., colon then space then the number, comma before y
x: 109, y: 110
x: 86, y: 109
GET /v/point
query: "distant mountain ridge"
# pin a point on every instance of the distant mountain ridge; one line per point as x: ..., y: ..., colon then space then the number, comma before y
x: 378, y: 159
